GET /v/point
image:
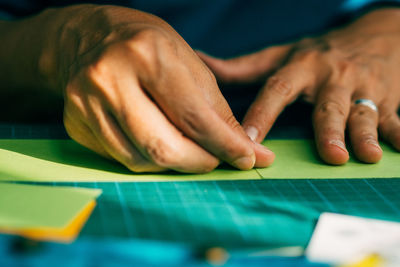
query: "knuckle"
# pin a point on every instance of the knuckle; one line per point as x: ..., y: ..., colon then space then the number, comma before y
x: 99, y: 83
x: 263, y: 118
x: 73, y: 98
x: 98, y: 71
x: 280, y: 86
x: 193, y: 120
x: 329, y: 132
x: 346, y: 68
x: 345, y: 65
x: 355, y: 70
x: 146, y: 44
x: 372, y: 72
x: 230, y: 119
x: 358, y: 112
x: 163, y: 154
x: 307, y: 55
x: 131, y: 159
x: 366, y: 135
x: 152, y: 51
x: 130, y: 162
x: 363, y: 113
x: 150, y: 35
x: 328, y: 108
x: 70, y: 91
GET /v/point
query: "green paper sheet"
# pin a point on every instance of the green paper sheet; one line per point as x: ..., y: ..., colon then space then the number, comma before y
x: 299, y: 159
x: 36, y: 206
x: 65, y: 160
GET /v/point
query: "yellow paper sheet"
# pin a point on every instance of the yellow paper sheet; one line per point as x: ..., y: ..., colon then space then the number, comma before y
x: 63, y: 235
x: 45, y: 212
x: 65, y: 160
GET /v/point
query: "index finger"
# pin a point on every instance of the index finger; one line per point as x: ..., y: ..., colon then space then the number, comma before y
x: 185, y: 105
x: 281, y: 89
x: 247, y: 68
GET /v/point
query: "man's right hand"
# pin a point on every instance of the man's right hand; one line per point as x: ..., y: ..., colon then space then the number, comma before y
x: 136, y: 92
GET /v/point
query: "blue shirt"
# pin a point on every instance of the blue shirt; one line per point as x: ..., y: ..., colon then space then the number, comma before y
x: 227, y: 28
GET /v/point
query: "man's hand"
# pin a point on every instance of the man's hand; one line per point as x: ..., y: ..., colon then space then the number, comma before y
x: 135, y: 91
x: 360, y: 61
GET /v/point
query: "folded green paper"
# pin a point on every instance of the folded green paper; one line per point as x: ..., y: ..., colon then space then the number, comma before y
x: 67, y: 161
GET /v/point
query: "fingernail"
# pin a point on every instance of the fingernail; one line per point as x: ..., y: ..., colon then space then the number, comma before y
x: 339, y: 144
x: 252, y: 132
x: 245, y: 162
x: 374, y: 143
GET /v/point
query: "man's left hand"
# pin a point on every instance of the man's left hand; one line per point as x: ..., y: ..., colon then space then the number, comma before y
x: 332, y: 71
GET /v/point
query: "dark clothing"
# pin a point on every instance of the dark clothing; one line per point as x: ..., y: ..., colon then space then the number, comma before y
x: 227, y: 28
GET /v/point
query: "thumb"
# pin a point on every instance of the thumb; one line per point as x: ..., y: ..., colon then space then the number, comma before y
x: 248, y: 68
x: 264, y: 156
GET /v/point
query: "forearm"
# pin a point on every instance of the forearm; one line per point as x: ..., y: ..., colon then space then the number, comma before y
x: 38, y: 51
x: 30, y: 50
x: 384, y: 20
x: 23, y: 44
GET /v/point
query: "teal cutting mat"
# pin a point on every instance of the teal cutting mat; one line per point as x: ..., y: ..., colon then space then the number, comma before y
x: 226, y: 213
x: 235, y: 213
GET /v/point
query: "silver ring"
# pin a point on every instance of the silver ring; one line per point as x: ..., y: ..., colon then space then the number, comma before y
x: 367, y: 102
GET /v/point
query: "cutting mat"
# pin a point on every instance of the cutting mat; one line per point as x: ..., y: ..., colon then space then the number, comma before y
x: 236, y: 213
x: 228, y: 213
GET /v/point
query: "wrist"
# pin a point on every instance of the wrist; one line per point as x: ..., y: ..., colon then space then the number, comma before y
x: 36, y: 51
x: 66, y: 31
